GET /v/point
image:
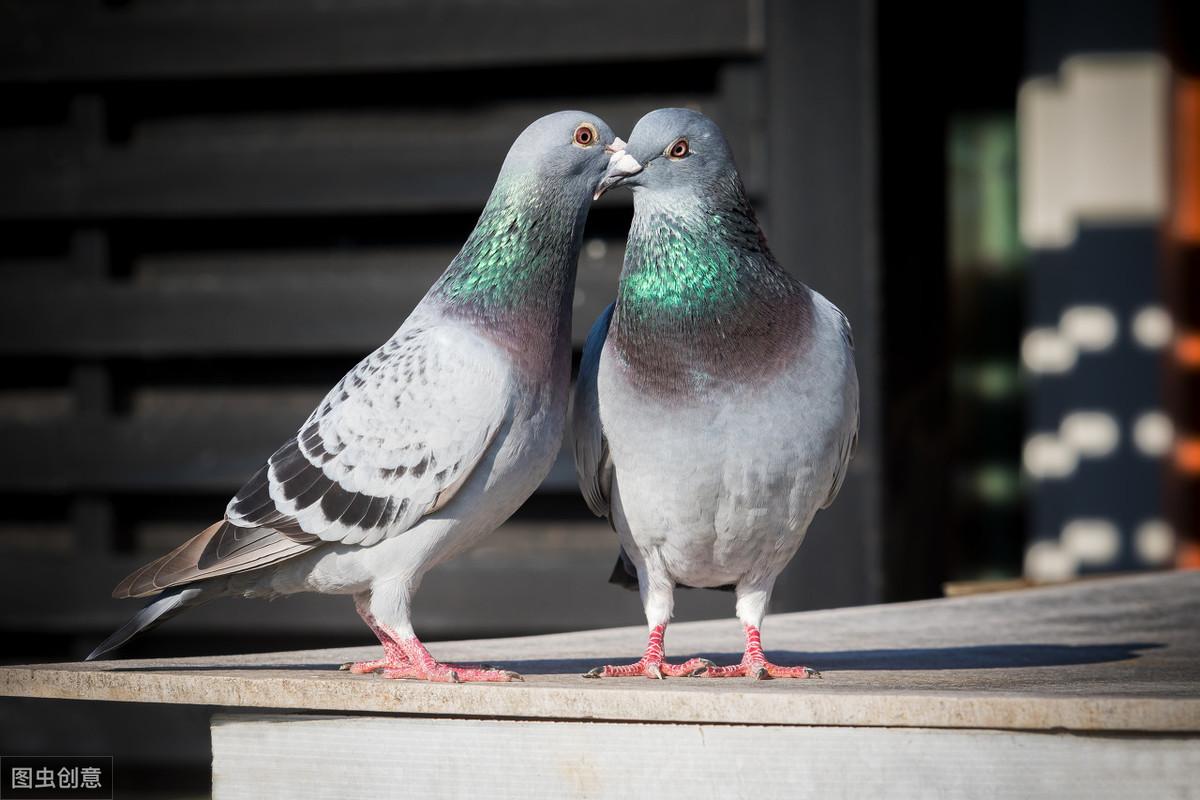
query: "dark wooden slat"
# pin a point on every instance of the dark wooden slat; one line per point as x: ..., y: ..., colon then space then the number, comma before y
x: 91, y: 514
x: 303, y: 164
x: 180, y: 453
x: 92, y: 520
x: 339, y: 310
x: 550, y: 576
x: 823, y: 225
x: 85, y: 40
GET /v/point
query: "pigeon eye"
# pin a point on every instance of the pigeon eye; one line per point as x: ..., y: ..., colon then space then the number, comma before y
x: 679, y: 149
x: 585, y: 135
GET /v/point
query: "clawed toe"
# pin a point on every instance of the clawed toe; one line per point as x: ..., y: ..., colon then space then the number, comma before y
x: 442, y: 673
x: 798, y: 673
x: 367, y: 667
x: 652, y: 668
x: 638, y: 669
x: 760, y: 671
x: 414, y: 673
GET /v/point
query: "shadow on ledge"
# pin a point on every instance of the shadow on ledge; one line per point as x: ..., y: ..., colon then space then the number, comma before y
x: 983, y: 656
x: 994, y: 656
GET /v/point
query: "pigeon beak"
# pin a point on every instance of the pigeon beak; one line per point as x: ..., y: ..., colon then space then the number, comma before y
x: 617, y: 145
x: 621, y: 166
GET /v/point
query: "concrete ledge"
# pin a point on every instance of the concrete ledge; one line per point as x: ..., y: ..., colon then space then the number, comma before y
x: 1105, y: 655
x: 297, y: 756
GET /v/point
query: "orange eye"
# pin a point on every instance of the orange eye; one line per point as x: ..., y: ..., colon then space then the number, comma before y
x: 585, y: 135
x: 679, y: 149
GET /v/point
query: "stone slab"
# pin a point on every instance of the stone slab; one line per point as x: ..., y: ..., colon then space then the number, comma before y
x: 298, y: 756
x: 1118, y: 654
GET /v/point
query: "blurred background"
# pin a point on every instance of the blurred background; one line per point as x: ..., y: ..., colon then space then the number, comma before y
x: 209, y: 211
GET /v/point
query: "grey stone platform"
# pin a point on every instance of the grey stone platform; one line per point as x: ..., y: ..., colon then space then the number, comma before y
x: 1091, y: 689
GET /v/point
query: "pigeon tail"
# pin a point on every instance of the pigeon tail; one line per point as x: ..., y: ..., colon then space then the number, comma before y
x: 157, y: 611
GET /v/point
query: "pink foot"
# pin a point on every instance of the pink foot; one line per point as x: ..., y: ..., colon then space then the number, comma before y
x: 760, y: 670
x: 393, y: 656
x: 754, y: 664
x: 444, y: 673
x: 364, y: 667
x: 652, y: 665
x: 649, y: 668
x: 422, y: 666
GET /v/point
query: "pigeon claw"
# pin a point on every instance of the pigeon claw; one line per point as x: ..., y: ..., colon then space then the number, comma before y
x: 442, y: 673
x: 761, y: 671
x: 375, y: 665
x: 488, y: 672
x: 421, y: 666
x: 652, y: 668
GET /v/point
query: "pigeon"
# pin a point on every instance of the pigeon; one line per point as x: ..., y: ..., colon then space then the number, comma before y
x: 716, y: 409
x: 431, y: 441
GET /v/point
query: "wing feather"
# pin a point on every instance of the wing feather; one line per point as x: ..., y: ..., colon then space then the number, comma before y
x: 220, y: 549
x: 849, y: 440
x: 391, y: 442
x: 593, y: 466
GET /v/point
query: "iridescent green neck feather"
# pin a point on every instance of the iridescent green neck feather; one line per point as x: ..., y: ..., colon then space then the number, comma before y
x: 701, y: 299
x: 516, y: 273
x: 696, y: 255
x: 517, y: 251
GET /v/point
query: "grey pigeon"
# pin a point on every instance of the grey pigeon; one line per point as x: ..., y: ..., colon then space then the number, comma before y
x: 716, y: 409
x: 431, y: 441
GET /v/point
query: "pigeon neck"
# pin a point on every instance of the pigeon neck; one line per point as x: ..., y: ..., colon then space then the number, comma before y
x: 515, y: 276
x: 701, y: 302
x: 695, y: 254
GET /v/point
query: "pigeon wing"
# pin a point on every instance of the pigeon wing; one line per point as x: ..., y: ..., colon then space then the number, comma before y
x: 392, y: 442
x: 849, y: 439
x: 593, y: 465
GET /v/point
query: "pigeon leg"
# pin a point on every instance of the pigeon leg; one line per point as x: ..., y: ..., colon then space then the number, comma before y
x: 393, y: 655
x: 651, y: 664
x: 420, y: 665
x: 754, y: 663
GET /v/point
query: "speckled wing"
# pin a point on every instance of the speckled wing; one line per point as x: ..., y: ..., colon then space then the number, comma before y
x: 593, y: 465
x: 392, y: 442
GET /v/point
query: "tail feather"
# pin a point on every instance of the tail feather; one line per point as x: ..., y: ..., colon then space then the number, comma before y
x: 156, y: 612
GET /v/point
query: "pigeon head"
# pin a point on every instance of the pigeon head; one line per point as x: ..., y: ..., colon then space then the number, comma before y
x: 516, y: 272
x: 671, y: 149
x: 566, y: 146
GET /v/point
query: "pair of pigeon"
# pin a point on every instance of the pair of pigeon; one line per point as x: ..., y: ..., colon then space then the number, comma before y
x: 715, y: 412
